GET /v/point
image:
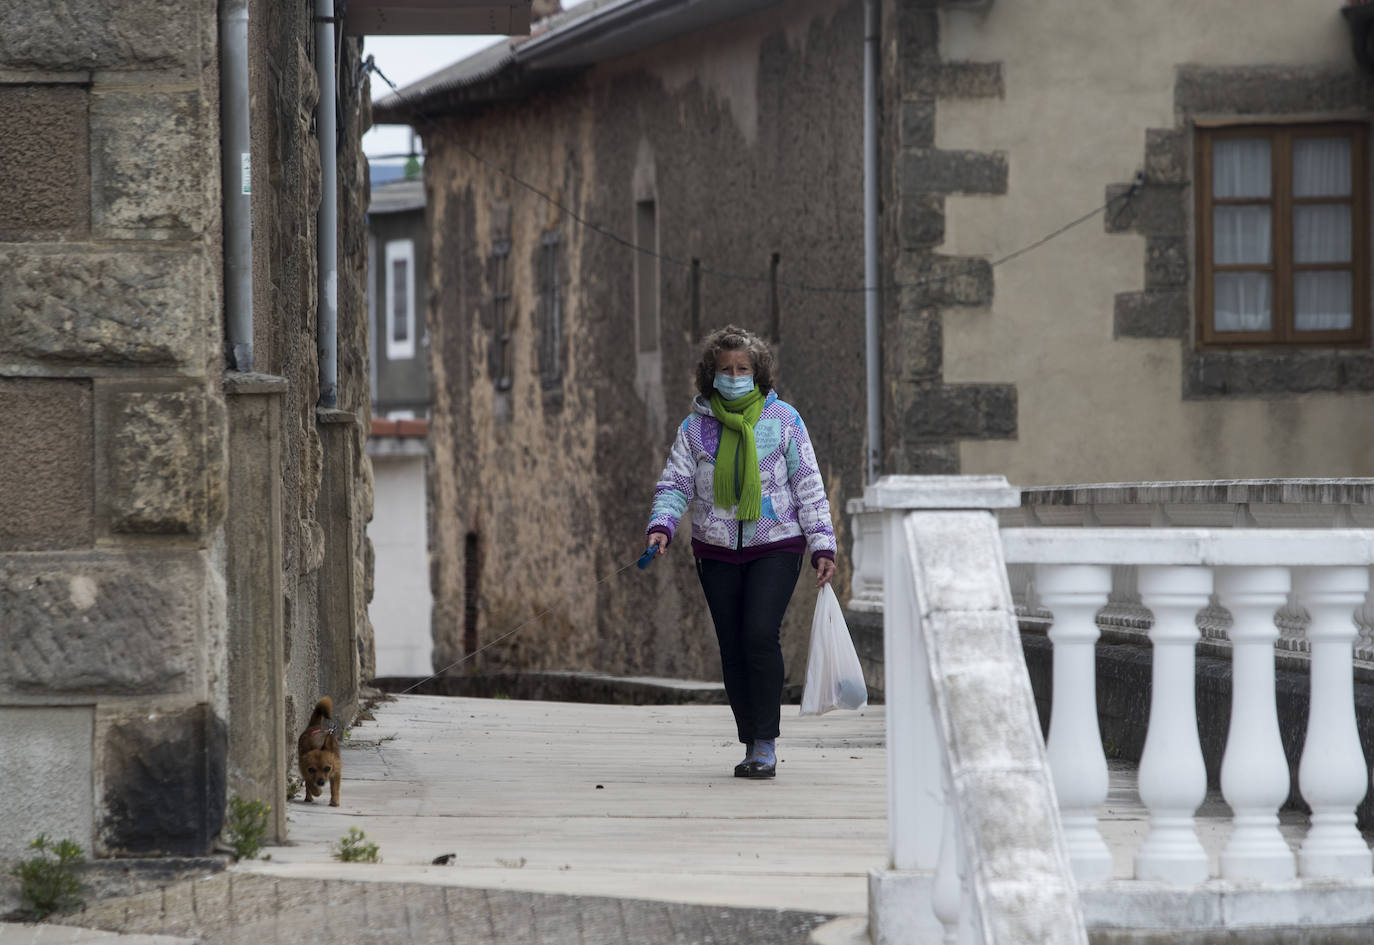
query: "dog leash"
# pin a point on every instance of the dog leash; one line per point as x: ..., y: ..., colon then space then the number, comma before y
x: 644, y: 561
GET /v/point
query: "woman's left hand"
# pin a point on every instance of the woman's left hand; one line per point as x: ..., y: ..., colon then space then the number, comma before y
x: 825, y: 570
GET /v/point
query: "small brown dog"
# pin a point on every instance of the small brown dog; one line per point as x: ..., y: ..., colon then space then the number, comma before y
x: 317, y: 753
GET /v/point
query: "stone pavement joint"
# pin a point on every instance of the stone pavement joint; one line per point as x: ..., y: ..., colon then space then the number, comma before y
x: 248, y: 909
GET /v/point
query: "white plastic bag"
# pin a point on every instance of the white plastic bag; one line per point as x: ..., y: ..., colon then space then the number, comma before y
x: 834, y: 678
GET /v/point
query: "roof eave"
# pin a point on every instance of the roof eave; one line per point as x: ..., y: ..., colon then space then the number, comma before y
x: 610, y: 32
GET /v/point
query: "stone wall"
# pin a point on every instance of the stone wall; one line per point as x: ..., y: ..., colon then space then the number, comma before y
x: 115, y: 637
x: 321, y: 615
x: 111, y: 596
x: 747, y: 138
x: 927, y: 413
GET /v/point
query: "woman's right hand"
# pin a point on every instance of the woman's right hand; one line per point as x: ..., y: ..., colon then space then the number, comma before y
x: 660, y: 541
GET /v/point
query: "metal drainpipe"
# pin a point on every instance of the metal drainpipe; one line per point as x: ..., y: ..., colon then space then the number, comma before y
x: 236, y: 181
x: 327, y: 237
x: 872, y: 298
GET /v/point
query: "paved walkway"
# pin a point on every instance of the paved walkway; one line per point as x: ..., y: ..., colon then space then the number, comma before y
x: 568, y: 824
x: 621, y: 801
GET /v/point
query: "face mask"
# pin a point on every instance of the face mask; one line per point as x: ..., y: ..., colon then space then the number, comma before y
x: 732, y: 387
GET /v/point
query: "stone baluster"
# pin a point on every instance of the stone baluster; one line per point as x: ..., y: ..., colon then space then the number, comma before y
x: 1073, y: 593
x: 866, y: 585
x: 1254, y: 771
x: 1332, y: 772
x: 947, y: 895
x: 1173, y: 778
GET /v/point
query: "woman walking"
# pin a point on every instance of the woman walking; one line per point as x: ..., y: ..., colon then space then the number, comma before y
x: 743, y: 463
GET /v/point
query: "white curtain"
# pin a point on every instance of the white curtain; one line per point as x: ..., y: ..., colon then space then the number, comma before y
x: 1321, y: 167
x: 1240, y: 236
x: 1321, y: 234
x: 1240, y: 167
x: 1242, y: 301
x: 1322, y: 301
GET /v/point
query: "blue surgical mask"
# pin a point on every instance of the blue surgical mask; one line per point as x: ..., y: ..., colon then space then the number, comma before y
x: 732, y: 387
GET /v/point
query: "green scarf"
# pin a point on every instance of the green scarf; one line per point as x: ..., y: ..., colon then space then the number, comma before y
x: 737, y: 452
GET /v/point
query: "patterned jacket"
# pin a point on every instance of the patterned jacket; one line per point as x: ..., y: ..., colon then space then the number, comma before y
x: 796, y: 514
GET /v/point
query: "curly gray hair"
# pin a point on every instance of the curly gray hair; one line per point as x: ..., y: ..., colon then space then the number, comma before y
x: 734, y: 338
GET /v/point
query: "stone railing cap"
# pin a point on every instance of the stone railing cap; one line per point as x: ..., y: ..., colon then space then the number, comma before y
x: 941, y: 492
x: 1205, y: 491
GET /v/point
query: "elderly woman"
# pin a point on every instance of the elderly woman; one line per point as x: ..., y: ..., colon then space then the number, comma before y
x: 744, y: 465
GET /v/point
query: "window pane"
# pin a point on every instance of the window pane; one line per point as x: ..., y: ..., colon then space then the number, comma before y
x: 1321, y: 167
x: 400, y: 328
x: 1242, y: 301
x: 1240, y: 236
x: 1321, y: 233
x: 1240, y: 167
x: 1322, y: 301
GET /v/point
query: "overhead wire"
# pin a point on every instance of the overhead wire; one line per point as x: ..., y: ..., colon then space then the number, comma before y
x: 424, y: 120
x: 1121, y: 199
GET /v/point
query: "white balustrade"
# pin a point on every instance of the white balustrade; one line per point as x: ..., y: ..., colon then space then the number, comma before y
x: 1254, y: 770
x: 1073, y: 594
x: 1255, y: 581
x: 1332, y: 772
x: 1173, y: 777
x: 1304, y: 589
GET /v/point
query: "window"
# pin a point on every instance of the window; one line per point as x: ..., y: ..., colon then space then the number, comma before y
x: 1283, y: 255
x: 550, y: 311
x: 400, y: 299
x: 646, y: 274
x: 499, y: 360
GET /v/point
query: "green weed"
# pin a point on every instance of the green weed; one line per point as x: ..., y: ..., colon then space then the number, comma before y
x: 356, y: 848
x: 48, y: 881
x: 245, y: 827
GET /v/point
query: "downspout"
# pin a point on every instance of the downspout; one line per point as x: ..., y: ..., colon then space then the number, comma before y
x: 236, y: 182
x: 327, y: 228
x: 872, y: 298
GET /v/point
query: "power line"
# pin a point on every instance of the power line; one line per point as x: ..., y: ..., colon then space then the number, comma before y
x: 423, y: 119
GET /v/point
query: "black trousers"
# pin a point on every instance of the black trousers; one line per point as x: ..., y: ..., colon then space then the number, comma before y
x: 747, y: 604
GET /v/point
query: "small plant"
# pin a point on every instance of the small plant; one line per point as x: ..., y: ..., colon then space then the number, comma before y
x: 356, y: 848
x: 246, y: 827
x: 293, y: 786
x: 48, y: 881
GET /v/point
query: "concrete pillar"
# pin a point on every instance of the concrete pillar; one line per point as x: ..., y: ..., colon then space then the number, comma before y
x: 259, y: 756
x: 338, y: 605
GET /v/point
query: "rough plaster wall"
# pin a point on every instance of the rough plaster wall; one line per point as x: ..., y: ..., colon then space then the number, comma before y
x: 1080, y: 92
x: 560, y: 497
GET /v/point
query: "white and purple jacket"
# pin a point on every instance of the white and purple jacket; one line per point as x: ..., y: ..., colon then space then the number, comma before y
x: 796, y: 514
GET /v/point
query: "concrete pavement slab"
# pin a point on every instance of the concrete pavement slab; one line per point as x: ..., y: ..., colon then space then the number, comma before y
x: 634, y: 802
x: 19, y: 933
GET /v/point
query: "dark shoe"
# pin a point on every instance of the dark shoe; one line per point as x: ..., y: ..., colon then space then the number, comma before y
x: 759, y: 771
x: 742, y: 769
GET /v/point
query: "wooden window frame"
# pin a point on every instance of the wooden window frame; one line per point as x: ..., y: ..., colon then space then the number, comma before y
x: 1283, y: 334
x: 400, y: 251
x: 502, y: 316
x: 551, y: 309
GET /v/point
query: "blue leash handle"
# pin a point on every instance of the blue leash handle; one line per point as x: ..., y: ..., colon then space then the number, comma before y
x: 647, y: 558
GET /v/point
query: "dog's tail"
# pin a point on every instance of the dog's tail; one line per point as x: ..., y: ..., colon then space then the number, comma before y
x: 324, y: 709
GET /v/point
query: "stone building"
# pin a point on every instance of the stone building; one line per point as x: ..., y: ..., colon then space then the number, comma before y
x: 398, y: 253
x: 725, y: 140
x: 182, y: 559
